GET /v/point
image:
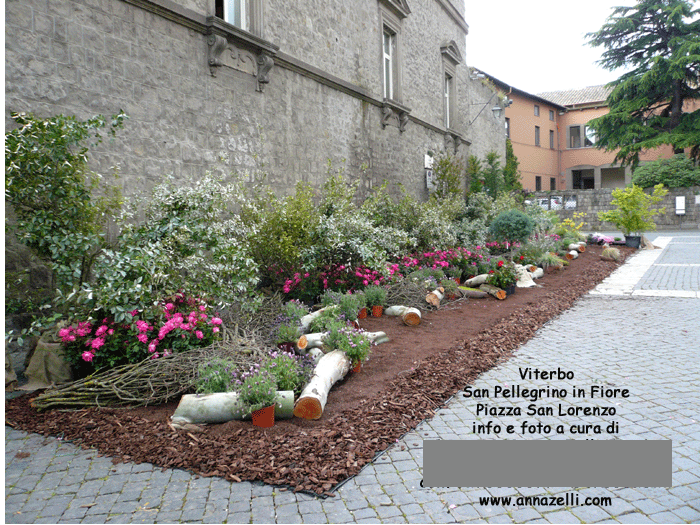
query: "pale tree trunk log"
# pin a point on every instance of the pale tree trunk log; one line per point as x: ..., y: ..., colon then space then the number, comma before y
x: 331, y: 368
x: 524, y: 277
x: 224, y: 406
x: 578, y: 247
x: 472, y: 293
x: 409, y: 316
x: 308, y: 318
x: 476, y: 281
x: 317, y: 339
x: 573, y: 254
x: 435, y: 296
x: 539, y: 272
x: 493, y: 290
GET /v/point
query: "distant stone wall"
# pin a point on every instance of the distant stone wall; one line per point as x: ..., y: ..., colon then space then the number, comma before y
x: 592, y: 202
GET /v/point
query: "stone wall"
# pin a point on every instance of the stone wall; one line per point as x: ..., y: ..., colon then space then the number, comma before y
x: 592, y: 202
x: 323, y: 100
x: 488, y: 133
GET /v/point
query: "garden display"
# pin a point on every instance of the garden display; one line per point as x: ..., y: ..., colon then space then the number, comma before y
x: 219, y: 300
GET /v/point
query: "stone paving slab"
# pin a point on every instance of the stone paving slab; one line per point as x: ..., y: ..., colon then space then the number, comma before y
x: 614, y: 337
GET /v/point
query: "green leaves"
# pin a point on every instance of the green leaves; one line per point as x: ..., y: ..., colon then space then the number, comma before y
x: 633, y: 213
x: 659, y: 42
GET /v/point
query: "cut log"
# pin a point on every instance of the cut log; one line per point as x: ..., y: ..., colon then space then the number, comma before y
x: 578, y: 247
x: 302, y: 344
x: 573, y: 254
x: 316, y: 354
x: 476, y: 281
x: 224, y: 406
x: 493, y: 290
x: 537, y: 273
x: 472, y: 293
x: 316, y: 340
x: 377, y: 337
x: 409, y: 316
x: 308, y: 318
x: 331, y: 368
x: 524, y: 277
x: 435, y: 296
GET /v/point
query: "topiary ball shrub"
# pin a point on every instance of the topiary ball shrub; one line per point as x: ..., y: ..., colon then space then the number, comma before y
x: 512, y: 226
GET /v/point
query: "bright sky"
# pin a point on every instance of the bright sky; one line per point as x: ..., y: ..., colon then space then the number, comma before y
x: 538, y: 45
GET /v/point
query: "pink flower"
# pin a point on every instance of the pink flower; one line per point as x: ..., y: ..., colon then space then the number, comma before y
x: 82, y: 332
x: 134, y: 313
x: 142, y: 326
x: 101, y: 331
x: 97, y: 343
x: 152, y: 346
x: 169, y: 307
x: 202, y: 308
x: 110, y: 331
x: 87, y: 356
x: 215, y: 321
x: 142, y: 337
x: 64, y: 332
x: 215, y: 329
x: 199, y: 334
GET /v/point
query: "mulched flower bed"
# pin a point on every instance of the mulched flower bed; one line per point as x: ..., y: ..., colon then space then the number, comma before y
x: 402, y: 384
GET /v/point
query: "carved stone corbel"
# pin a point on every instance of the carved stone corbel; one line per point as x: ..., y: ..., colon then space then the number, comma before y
x: 265, y: 64
x: 217, y: 44
x: 387, y: 113
x: 403, y: 120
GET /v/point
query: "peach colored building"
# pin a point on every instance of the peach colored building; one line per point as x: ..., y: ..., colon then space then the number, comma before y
x: 553, y: 144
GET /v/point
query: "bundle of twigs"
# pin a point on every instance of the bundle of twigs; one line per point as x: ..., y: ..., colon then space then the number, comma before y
x: 259, y: 321
x: 407, y: 292
x: 152, y: 381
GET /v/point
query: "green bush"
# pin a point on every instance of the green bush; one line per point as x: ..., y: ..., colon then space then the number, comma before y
x: 678, y: 171
x: 633, y: 213
x: 449, y: 176
x: 53, y: 193
x: 512, y: 226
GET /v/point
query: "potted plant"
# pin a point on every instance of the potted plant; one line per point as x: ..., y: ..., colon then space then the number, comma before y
x: 455, y: 272
x: 504, y: 277
x: 257, y: 390
x: 376, y: 299
x: 450, y: 286
x: 349, y: 306
x: 633, y: 214
x: 353, y: 342
x: 287, y: 336
x: 362, y: 304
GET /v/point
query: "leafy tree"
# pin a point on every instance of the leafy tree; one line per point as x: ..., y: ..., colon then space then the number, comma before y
x: 493, y: 174
x: 53, y: 193
x: 449, y: 174
x: 659, y: 41
x: 476, y: 181
x: 511, y: 177
x: 678, y: 171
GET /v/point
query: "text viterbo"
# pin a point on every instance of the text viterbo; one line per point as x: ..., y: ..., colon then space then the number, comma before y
x: 536, y: 373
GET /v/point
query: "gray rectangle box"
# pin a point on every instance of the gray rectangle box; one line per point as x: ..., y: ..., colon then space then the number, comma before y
x: 547, y: 463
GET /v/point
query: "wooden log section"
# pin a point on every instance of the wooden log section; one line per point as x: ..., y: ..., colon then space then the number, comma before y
x: 472, y: 293
x: 316, y: 340
x: 224, y: 406
x: 476, y: 281
x: 578, y: 247
x: 409, y: 316
x: 494, y: 291
x: 573, y: 254
x: 435, y: 296
x: 331, y: 368
x: 539, y: 272
x: 308, y: 318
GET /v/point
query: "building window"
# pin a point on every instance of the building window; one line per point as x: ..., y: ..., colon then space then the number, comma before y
x: 537, y: 135
x: 507, y: 127
x: 552, y: 183
x: 537, y: 110
x: 538, y: 183
x: 551, y: 115
x: 390, y: 63
x: 449, y: 99
x: 244, y: 14
x: 581, y: 137
x: 551, y: 139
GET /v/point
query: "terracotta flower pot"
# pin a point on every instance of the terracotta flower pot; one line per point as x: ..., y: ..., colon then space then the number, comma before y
x: 377, y: 311
x: 362, y: 314
x: 355, y: 325
x: 286, y: 347
x: 357, y: 367
x: 265, y: 417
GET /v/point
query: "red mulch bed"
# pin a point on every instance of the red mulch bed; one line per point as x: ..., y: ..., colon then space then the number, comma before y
x: 403, y: 383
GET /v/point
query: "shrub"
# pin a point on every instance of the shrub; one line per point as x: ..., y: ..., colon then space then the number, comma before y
x: 52, y: 191
x: 291, y: 372
x: 375, y: 295
x: 678, y: 171
x: 633, y: 213
x: 449, y: 176
x: 215, y: 376
x: 512, y: 226
x: 353, y: 341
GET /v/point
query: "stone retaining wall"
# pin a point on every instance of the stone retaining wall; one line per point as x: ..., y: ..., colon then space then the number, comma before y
x: 592, y: 202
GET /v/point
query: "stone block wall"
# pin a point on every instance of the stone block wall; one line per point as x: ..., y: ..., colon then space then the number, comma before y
x: 323, y: 100
x: 593, y: 202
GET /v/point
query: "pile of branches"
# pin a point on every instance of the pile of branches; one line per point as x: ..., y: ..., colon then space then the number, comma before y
x: 407, y: 292
x: 258, y: 322
x: 152, y: 381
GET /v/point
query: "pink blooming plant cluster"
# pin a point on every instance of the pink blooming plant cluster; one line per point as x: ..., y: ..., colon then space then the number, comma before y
x: 176, y: 325
x: 308, y: 286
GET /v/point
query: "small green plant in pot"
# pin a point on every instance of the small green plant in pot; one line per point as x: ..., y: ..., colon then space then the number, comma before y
x: 633, y: 214
x: 257, y: 390
x: 353, y: 341
x: 349, y: 306
x: 376, y: 298
x: 450, y: 286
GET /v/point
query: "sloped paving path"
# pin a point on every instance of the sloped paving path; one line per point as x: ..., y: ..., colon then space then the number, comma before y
x: 615, y: 336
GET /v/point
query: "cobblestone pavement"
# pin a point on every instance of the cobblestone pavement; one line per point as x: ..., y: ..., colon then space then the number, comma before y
x: 617, y: 336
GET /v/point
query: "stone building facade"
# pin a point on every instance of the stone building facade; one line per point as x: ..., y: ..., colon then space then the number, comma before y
x: 371, y: 85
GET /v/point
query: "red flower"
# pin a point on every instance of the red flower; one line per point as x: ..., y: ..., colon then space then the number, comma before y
x: 491, y: 271
x: 522, y: 257
x: 500, y: 263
